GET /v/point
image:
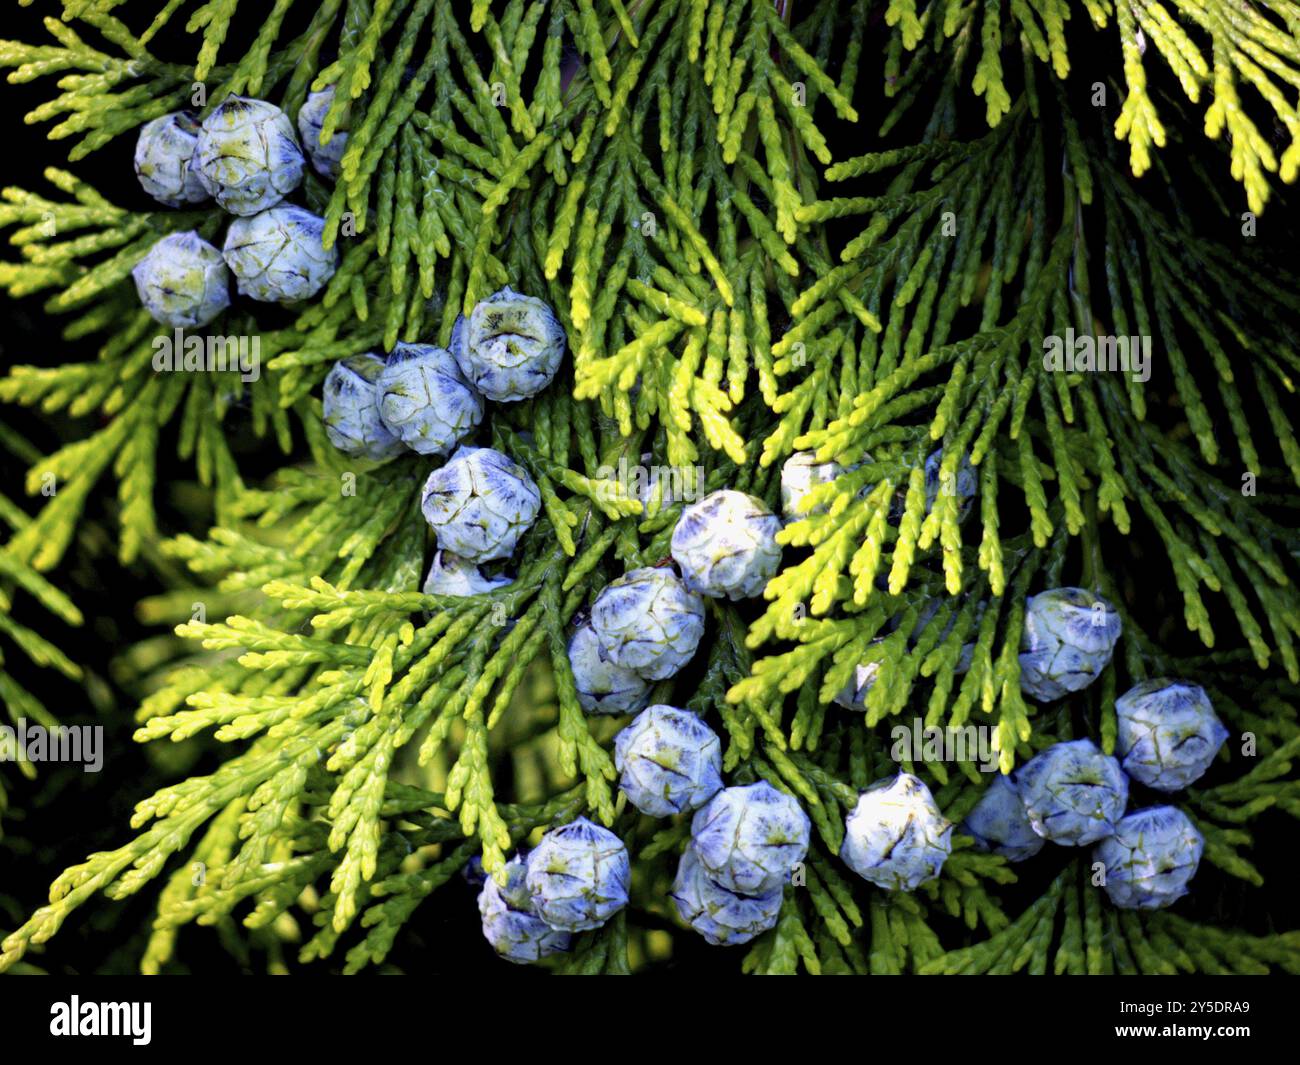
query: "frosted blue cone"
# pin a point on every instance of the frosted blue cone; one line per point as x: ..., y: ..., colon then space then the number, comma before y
x: 182, y: 281
x: 724, y: 918
x: 451, y: 575
x: 1073, y: 794
x: 247, y: 155
x: 325, y: 158
x: 425, y: 400
x: 750, y: 838
x: 578, y: 876
x: 603, y: 686
x: 998, y: 823
x: 279, y: 255
x: 896, y: 837
x: 670, y: 761
x: 351, y: 410
x: 1069, y: 637
x: 725, y: 545
x: 511, y: 924
x: 964, y: 484
x: 1168, y: 733
x: 800, y: 474
x: 1151, y: 858
x: 510, y: 347
x: 163, y: 153
x: 648, y: 621
x: 480, y: 503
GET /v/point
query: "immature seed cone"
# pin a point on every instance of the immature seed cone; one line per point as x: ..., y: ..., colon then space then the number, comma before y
x: 724, y: 918
x: 964, y: 483
x: 603, y: 686
x: 726, y: 545
x: 480, y: 503
x: 1151, y: 858
x: 510, y: 922
x: 671, y: 761
x: 163, y: 154
x: 998, y: 823
x: 325, y: 158
x: 425, y: 400
x: 1069, y: 637
x: 1073, y: 794
x: 1168, y: 733
x: 247, y: 156
x: 510, y: 347
x: 452, y: 575
x: 578, y: 876
x: 800, y: 474
x: 182, y: 281
x: 896, y: 837
x: 649, y: 622
x: 278, y: 256
x: 351, y: 409
x: 750, y: 838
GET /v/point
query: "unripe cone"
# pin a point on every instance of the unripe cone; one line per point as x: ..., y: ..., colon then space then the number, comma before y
x: 578, y: 876
x: 1168, y: 733
x: 649, y: 622
x: 1151, y: 858
x: 750, y: 838
x: 247, y: 156
x: 1073, y: 794
x: 510, y: 922
x: 896, y: 837
x: 480, y: 503
x: 671, y: 761
x: 726, y: 545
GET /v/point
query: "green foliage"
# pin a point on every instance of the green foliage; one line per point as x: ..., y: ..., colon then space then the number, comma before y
x: 670, y: 176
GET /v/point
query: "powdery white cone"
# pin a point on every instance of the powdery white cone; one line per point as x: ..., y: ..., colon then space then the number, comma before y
x: 896, y: 837
x: 998, y: 823
x: 965, y: 484
x: 511, y: 346
x: 425, y: 400
x: 671, y: 761
x: 163, y: 153
x: 749, y: 838
x: 648, y: 621
x: 724, y: 918
x: 1072, y: 793
x: 800, y: 474
x: 451, y: 575
x: 325, y: 158
x: 247, y: 156
x: 1069, y: 637
x: 511, y: 924
x: 182, y: 281
x: 480, y: 503
x: 1168, y: 733
x: 278, y: 256
x: 726, y: 545
x: 1151, y: 858
x: 351, y: 407
x: 603, y: 687
x: 853, y: 696
x: 578, y: 876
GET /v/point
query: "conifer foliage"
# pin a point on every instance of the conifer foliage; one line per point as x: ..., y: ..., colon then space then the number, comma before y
x: 849, y: 229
